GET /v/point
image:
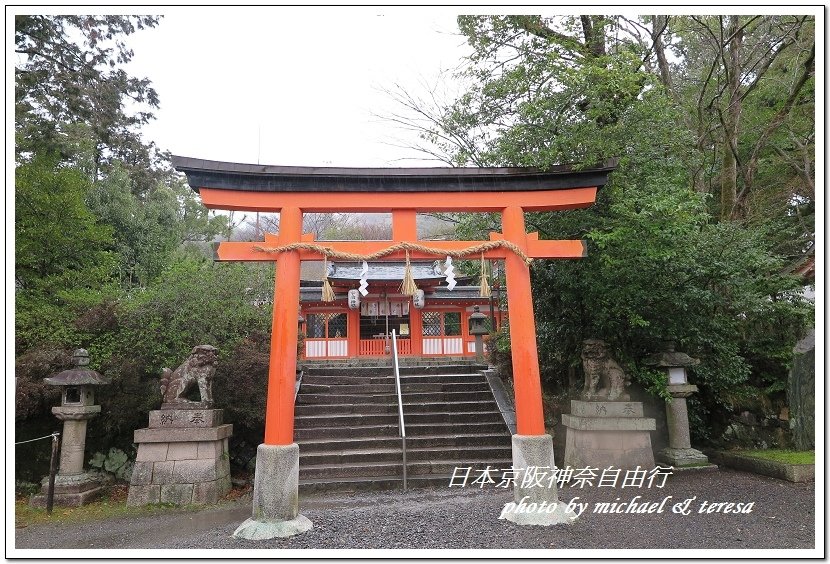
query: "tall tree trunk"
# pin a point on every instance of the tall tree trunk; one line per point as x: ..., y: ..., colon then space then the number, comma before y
x: 658, y: 28
x: 731, y: 119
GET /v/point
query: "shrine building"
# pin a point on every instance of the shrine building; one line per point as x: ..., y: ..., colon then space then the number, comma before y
x: 433, y: 323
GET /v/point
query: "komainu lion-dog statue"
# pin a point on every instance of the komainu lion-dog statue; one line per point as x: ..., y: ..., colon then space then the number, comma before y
x: 604, y: 378
x: 197, y: 370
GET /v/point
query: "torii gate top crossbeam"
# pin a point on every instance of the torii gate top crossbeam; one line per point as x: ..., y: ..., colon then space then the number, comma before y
x: 248, y: 187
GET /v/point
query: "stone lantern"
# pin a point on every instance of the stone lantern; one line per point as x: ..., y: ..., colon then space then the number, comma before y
x: 679, y: 453
x: 478, y: 328
x: 73, y: 486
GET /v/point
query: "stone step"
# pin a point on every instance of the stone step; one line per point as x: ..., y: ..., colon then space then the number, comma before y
x: 356, y: 420
x: 444, y: 440
x: 351, y: 484
x: 459, y: 378
x: 382, y: 408
x: 414, y: 430
x: 389, y: 388
x: 363, y: 371
x: 469, y: 403
x: 413, y: 468
x: 330, y: 399
x: 412, y: 454
x: 374, y: 431
x: 392, y: 398
x: 390, y: 483
x: 346, y: 425
x: 418, y: 429
x: 301, y: 410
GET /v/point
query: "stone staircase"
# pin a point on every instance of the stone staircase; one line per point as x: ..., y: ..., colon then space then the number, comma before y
x: 346, y: 424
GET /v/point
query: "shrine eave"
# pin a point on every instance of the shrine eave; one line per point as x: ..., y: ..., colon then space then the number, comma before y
x: 218, y: 175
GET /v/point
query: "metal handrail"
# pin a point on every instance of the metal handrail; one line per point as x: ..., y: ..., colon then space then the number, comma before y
x: 400, y: 403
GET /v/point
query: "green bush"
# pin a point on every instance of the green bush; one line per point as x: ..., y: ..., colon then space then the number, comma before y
x: 193, y: 302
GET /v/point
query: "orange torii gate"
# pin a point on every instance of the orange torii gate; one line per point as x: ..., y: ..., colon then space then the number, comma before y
x: 404, y: 192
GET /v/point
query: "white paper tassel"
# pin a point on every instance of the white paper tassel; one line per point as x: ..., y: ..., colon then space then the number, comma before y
x: 363, y: 283
x: 449, y: 272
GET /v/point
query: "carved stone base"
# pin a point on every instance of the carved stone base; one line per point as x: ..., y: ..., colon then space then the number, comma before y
x: 70, y: 490
x: 680, y: 457
x: 179, y: 464
x: 605, y: 434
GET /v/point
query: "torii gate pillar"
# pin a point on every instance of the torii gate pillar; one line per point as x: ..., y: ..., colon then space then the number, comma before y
x: 532, y: 445
x: 405, y: 192
x: 276, y: 505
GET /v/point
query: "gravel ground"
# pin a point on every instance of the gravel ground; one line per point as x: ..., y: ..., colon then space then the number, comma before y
x: 783, y: 517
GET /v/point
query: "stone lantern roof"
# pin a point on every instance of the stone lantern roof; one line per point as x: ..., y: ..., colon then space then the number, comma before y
x: 670, y: 358
x: 78, y: 376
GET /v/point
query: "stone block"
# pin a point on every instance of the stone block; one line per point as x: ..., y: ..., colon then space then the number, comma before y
x: 774, y: 468
x: 606, y: 408
x: 73, y: 499
x: 210, y: 449
x: 142, y: 474
x: 586, y: 448
x: 151, y: 452
x: 225, y: 484
x: 192, y: 471
x: 183, y: 451
x: 177, y: 418
x: 163, y: 472
x: 677, y: 457
x: 177, y: 494
x: 607, y: 439
x: 206, y: 492
x: 642, y: 457
x: 609, y: 423
x: 70, y: 491
x: 143, y: 495
x: 182, y: 434
x: 636, y: 440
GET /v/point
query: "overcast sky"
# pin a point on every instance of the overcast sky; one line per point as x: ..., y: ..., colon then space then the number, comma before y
x: 290, y: 86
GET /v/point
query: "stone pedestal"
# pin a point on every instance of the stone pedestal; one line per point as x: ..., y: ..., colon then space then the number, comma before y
x: 536, y: 501
x: 73, y: 486
x: 71, y: 490
x: 276, y: 504
x: 602, y: 434
x: 680, y: 453
x: 182, y: 458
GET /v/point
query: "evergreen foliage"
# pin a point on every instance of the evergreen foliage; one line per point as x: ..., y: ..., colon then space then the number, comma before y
x: 667, y: 258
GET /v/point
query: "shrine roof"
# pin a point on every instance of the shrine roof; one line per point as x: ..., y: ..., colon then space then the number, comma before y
x: 440, y: 293
x: 203, y: 173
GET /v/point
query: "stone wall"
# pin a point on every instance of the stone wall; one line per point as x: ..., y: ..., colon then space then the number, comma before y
x: 801, y: 394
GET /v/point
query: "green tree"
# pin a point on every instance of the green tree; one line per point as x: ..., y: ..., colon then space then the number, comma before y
x: 149, y: 229
x: 663, y: 262
x: 69, y: 72
x: 62, y: 261
x: 194, y: 301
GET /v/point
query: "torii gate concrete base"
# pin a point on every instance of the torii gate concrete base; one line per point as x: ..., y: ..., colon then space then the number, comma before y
x: 276, y: 506
x: 536, y: 503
